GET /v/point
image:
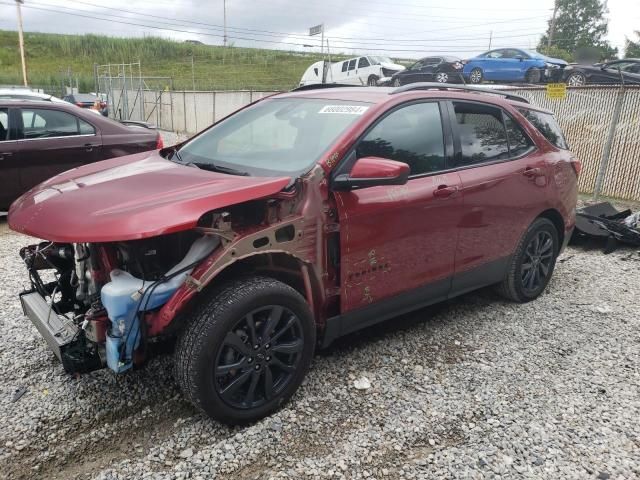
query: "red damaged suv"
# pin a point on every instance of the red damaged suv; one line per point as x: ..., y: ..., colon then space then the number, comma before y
x: 296, y: 220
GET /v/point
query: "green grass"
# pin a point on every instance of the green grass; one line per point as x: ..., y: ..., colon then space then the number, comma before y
x: 53, y: 59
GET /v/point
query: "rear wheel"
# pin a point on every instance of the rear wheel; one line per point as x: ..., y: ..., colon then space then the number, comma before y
x: 246, y: 350
x: 442, y: 77
x: 476, y: 76
x: 372, y: 81
x: 533, y: 262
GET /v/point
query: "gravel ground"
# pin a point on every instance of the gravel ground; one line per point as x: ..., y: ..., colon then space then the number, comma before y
x: 473, y: 388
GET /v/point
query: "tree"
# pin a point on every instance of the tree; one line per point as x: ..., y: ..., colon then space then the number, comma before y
x: 579, y: 24
x: 632, y: 49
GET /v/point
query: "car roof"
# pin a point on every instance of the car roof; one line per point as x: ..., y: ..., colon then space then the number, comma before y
x: 36, y: 102
x: 382, y: 95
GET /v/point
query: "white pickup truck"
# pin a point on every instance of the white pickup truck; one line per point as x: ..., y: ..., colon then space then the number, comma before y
x: 370, y: 70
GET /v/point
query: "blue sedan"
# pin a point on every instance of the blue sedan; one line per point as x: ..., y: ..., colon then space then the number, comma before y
x: 513, y: 65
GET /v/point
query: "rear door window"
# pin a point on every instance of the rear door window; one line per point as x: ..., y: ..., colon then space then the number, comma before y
x: 352, y: 64
x: 546, y: 124
x: 344, y: 66
x: 519, y: 142
x: 483, y: 137
x: 45, y: 123
x: 411, y: 134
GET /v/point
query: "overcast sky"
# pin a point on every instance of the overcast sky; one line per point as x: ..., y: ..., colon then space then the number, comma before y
x: 406, y: 28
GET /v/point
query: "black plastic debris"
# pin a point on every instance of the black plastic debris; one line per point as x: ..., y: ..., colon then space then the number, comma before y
x: 18, y: 393
x: 603, y: 221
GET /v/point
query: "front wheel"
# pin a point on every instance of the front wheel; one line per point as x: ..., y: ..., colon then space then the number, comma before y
x: 246, y: 350
x: 475, y: 76
x: 372, y: 81
x: 533, y: 75
x: 576, y: 79
x: 532, y: 263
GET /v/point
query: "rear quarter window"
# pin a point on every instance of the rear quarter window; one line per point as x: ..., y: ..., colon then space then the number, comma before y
x: 547, y: 125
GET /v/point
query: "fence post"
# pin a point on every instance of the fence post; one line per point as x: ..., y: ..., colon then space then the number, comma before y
x: 606, y: 151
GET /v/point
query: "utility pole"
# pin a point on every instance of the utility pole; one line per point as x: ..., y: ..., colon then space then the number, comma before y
x: 552, y: 28
x: 21, y: 41
x: 490, y: 38
x: 193, y: 74
x: 224, y: 12
x: 322, y: 42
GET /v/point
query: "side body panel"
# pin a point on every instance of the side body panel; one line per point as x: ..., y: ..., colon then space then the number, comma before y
x: 396, y: 238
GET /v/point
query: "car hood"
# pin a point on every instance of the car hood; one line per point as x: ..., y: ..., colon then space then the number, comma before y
x: 555, y: 61
x: 131, y: 197
x: 392, y: 66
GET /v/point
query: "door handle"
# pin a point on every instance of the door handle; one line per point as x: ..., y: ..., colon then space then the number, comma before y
x: 88, y: 147
x: 532, y: 172
x: 444, y: 191
x: 4, y: 155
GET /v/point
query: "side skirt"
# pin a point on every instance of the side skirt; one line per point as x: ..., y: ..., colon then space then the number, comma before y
x: 416, y: 299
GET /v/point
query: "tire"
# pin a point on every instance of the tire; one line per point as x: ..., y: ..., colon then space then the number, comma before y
x: 476, y: 76
x: 396, y: 82
x: 372, y: 81
x: 576, y: 79
x: 518, y: 285
x: 223, y: 366
x: 533, y: 75
x: 442, y: 77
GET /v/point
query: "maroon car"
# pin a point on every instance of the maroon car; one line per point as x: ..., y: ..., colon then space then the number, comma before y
x: 296, y: 220
x: 41, y: 139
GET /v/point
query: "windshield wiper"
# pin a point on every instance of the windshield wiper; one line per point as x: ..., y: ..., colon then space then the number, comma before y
x: 174, y: 154
x: 217, y: 168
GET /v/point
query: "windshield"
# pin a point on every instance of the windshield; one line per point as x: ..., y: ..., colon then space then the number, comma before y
x: 272, y: 138
x: 377, y: 60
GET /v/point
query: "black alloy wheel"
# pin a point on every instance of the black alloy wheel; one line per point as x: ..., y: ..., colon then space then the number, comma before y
x: 538, y: 262
x: 258, y: 357
x: 245, y: 349
x: 532, y: 263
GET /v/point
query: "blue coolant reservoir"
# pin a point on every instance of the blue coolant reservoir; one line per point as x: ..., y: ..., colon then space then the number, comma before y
x: 125, y: 295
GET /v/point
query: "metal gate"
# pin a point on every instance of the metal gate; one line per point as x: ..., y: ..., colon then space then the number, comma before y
x: 130, y: 96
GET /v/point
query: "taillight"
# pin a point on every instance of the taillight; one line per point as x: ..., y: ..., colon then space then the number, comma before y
x: 79, y: 104
x: 577, y: 166
x: 103, y: 104
x: 159, y: 143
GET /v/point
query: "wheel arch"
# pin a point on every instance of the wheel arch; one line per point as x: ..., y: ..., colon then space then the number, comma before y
x: 282, y: 266
x: 556, y: 218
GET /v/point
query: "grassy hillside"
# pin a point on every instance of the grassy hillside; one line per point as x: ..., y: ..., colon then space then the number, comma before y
x: 53, y: 59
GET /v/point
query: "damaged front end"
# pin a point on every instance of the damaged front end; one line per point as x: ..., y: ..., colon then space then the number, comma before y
x: 89, y: 300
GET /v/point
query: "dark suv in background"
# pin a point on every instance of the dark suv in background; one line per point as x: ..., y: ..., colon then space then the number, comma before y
x: 431, y: 69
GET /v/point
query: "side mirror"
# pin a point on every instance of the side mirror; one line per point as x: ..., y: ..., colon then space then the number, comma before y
x: 371, y: 172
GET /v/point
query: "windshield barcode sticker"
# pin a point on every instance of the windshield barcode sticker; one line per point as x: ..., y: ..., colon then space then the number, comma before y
x: 344, y: 109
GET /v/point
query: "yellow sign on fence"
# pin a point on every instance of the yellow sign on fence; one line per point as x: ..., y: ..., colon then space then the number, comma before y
x: 556, y: 90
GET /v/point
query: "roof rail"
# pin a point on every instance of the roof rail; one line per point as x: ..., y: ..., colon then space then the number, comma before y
x: 315, y: 86
x: 449, y: 86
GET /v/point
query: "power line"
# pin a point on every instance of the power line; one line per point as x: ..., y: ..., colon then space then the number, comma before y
x: 335, y: 39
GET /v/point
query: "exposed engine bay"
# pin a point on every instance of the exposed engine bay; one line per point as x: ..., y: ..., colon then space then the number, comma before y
x: 98, y: 291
